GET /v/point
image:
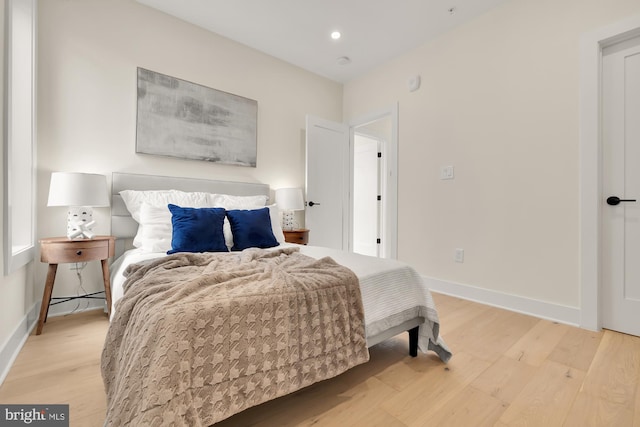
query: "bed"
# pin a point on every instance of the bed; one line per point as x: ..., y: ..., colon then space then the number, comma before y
x: 385, y: 298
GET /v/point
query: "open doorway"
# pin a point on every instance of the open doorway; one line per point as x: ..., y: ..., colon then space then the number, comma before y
x: 366, y: 194
x: 374, y: 184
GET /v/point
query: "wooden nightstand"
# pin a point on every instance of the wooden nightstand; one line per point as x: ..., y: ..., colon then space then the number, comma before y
x: 300, y: 237
x: 58, y: 250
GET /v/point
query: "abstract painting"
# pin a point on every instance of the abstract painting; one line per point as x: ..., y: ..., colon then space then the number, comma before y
x: 181, y: 119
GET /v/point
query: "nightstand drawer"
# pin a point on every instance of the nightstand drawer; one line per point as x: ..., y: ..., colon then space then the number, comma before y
x: 62, y: 255
x: 61, y: 251
x: 301, y: 237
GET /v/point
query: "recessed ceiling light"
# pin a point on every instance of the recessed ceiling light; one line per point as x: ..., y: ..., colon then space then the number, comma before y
x: 336, y: 35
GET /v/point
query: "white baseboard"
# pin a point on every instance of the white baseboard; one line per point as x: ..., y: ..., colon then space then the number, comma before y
x: 542, y: 309
x: 12, y: 346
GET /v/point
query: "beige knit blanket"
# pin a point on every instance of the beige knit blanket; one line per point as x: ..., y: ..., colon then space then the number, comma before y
x: 199, y: 337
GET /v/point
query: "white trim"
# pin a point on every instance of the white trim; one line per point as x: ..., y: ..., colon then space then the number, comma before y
x: 14, y: 259
x: 591, y: 45
x: 12, y: 346
x: 528, y: 306
x: 390, y: 205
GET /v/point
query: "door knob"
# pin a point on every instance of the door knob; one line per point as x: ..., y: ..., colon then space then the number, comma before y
x: 313, y: 203
x: 614, y: 200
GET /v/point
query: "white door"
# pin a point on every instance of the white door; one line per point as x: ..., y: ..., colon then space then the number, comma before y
x: 621, y: 178
x: 327, y: 215
x: 366, y: 189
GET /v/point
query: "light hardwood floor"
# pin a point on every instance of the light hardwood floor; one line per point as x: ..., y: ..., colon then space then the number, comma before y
x: 508, y: 369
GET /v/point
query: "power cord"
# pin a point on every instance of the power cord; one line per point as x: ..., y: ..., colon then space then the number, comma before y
x: 78, y: 268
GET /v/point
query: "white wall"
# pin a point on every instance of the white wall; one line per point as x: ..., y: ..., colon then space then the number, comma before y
x: 88, y: 54
x: 499, y: 101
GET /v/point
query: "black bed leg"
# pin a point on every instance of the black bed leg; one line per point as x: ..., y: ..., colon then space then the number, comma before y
x: 413, y: 341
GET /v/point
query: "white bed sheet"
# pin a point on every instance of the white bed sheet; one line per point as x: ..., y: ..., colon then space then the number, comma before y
x: 392, y: 291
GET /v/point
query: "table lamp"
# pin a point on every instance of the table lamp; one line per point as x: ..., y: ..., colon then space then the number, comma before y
x: 80, y: 192
x: 288, y: 201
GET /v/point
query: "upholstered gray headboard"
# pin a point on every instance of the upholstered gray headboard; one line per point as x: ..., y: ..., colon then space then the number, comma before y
x: 124, y: 227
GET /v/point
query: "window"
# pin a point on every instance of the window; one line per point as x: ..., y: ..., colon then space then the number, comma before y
x: 19, y: 133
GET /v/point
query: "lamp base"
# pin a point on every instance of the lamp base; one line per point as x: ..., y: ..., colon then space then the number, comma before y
x: 288, y: 221
x: 80, y: 222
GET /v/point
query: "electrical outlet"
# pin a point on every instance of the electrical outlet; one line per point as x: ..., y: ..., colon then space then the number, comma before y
x: 458, y: 255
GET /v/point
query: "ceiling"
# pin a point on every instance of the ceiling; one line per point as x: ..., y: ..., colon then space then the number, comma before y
x: 298, y: 31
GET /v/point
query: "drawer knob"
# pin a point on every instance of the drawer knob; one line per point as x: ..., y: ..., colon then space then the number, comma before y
x: 78, y: 252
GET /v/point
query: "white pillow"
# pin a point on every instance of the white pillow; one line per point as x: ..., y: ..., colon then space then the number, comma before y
x: 229, y: 202
x: 155, y: 228
x: 134, y: 200
x: 276, y: 227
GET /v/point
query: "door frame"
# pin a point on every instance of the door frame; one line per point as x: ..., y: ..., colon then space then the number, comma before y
x: 390, y: 169
x: 591, y: 46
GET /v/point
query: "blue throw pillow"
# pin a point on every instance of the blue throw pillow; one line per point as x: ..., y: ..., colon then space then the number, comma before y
x: 197, y: 229
x: 251, y: 229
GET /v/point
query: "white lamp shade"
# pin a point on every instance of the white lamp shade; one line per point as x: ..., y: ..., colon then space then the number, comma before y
x: 289, y: 199
x: 78, y: 189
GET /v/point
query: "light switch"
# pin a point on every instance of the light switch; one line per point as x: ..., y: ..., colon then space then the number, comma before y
x: 446, y: 172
